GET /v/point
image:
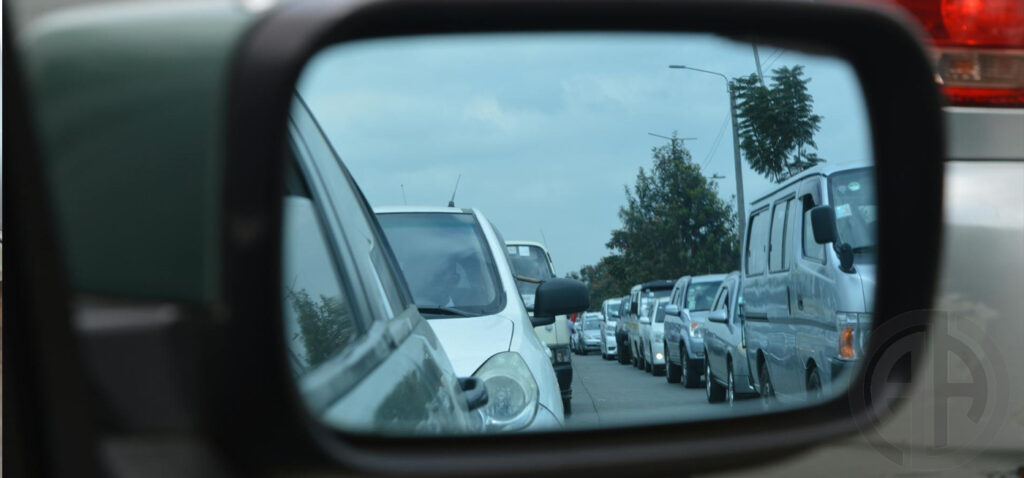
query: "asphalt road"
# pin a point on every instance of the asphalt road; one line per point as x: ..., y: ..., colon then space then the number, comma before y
x: 606, y: 393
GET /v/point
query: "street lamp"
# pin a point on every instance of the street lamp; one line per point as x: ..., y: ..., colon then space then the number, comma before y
x: 740, y: 209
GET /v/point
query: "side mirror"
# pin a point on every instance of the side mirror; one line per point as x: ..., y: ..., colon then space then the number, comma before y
x: 719, y: 315
x: 672, y: 310
x: 475, y: 392
x: 823, y: 222
x: 645, y: 319
x: 558, y: 297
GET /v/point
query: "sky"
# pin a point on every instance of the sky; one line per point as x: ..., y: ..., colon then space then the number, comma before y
x: 547, y: 129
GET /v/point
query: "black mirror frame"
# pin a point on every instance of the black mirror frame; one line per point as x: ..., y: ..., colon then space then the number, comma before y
x: 823, y: 224
x: 256, y: 414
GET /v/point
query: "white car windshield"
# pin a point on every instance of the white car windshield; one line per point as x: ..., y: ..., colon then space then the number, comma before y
x: 446, y: 262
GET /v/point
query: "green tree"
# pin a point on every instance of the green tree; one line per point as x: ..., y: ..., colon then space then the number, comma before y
x: 674, y: 223
x: 605, y: 280
x: 324, y: 326
x: 777, y: 123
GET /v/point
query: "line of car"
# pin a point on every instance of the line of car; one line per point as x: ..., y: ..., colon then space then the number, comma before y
x: 791, y: 325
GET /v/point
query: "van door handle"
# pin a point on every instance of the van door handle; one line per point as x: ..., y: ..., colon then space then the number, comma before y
x: 800, y: 302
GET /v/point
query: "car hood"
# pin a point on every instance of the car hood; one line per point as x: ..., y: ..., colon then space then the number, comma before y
x: 592, y: 333
x: 472, y: 340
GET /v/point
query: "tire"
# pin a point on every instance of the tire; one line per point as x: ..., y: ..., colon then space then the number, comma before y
x: 691, y: 369
x: 767, y: 389
x: 648, y: 366
x: 714, y: 390
x: 814, y: 393
x: 730, y: 386
x: 567, y: 405
x: 673, y: 372
x: 622, y: 358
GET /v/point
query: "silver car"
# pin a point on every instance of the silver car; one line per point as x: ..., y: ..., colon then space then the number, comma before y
x: 725, y: 365
x: 684, y: 327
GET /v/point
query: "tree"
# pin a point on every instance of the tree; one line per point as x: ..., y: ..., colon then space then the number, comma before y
x: 605, y: 280
x: 777, y: 123
x: 324, y: 326
x: 674, y: 223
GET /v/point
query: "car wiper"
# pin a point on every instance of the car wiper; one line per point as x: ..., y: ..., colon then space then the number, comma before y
x: 440, y: 310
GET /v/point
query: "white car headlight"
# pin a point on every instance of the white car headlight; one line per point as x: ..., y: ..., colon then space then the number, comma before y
x: 512, y: 392
x: 696, y: 331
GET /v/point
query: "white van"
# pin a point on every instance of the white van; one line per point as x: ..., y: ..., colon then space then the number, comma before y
x: 809, y: 281
x: 532, y: 260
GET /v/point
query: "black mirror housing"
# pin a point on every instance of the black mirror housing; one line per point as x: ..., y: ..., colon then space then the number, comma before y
x: 559, y: 297
x: 823, y: 222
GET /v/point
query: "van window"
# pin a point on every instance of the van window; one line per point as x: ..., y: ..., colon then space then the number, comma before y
x: 777, y: 246
x: 812, y: 250
x: 757, y: 243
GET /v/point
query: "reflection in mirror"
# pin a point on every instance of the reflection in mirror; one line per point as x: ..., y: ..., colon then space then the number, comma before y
x: 718, y: 207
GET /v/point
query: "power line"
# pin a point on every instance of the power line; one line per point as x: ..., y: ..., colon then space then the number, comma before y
x: 772, y: 62
x: 715, y: 143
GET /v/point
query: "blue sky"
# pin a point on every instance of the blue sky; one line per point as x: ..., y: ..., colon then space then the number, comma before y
x: 546, y: 129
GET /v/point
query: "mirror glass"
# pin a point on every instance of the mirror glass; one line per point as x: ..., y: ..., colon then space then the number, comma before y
x: 433, y: 182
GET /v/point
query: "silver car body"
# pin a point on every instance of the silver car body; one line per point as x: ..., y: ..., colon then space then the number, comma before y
x: 794, y: 307
x: 681, y: 336
x: 725, y: 348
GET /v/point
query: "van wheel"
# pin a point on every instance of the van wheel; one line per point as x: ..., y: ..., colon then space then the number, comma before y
x: 648, y: 365
x: 673, y: 372
x: 623, y: 355
x: 691, y: 369
x: 814, y: 393
x: 714, y: 390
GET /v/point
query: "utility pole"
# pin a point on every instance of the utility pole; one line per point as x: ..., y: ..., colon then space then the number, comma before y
x: 740, y: 205
x: 757, y: 61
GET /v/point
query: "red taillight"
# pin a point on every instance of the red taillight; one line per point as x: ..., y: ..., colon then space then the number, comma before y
x: 978, y: 48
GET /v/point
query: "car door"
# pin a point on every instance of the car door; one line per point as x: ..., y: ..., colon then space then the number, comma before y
x: 716, y: 332
x: 357, y: 340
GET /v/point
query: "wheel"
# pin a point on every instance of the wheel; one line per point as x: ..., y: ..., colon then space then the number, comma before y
x: 691, y: 369
x: 623, y: 356
x: 648, y: 366
x: 673, y: 372
x: 714, y: 390
x: 567, y: 405
x: 767, y: 389
x: 730, y: 387
x: 814, y: 393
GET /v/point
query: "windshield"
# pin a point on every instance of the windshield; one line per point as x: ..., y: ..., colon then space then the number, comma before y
x: 700, y: 295
x: 445, y: 261
x: 528, y: 261
x: 652, y: 297
x: 592, y: 324
x: 852, y: 193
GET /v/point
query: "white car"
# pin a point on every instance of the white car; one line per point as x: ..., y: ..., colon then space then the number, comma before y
x: 652, y: 337
x: 454, y: 261
x: 610, y: 312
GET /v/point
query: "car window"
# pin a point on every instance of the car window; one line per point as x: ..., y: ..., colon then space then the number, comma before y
x: 852, y: 194
x: 777, y: 246
x: 700, y: 294
x: 343, y: 201
x: 319, y: 320
x: 446, y: 260
x: 757, y: 244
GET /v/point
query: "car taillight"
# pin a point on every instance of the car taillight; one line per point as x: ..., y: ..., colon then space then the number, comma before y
x: 978, y: 48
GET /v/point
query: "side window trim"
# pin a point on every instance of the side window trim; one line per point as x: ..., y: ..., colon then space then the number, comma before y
x: 750, y: 236
x: 784, y: 266
x: 803, y: 230
x: 342, y: 258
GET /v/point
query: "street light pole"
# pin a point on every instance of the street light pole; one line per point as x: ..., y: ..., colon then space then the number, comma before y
x: 740, y: 204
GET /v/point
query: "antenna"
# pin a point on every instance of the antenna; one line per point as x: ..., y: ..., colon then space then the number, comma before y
x: 545, y: 239
x: 403, y: 195
x: 451, y: 202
